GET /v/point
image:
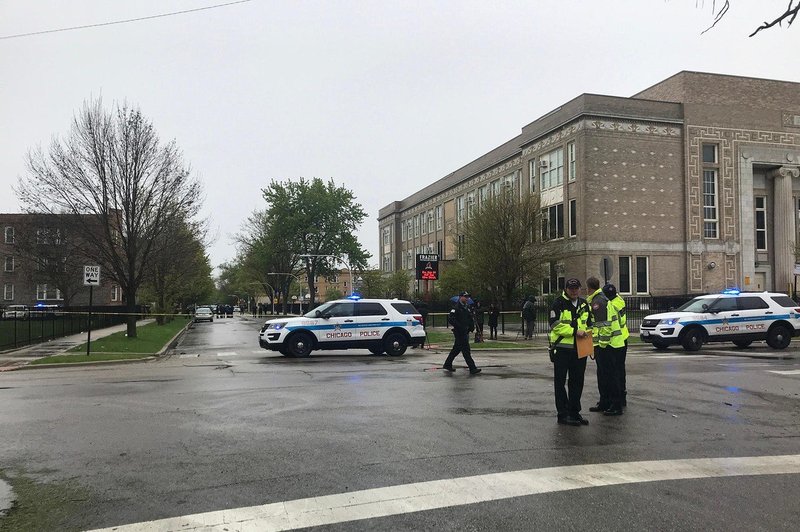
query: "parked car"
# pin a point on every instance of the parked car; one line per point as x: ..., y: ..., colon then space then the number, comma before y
x: 731, y: 316
x: 203, y: 314
x: 380, y: 325
x: 16, y: 312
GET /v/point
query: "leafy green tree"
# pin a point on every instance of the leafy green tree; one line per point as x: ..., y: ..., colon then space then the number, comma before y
x: 454, y: 278
x: 399, y: 284
x: 507, y: 243
x: 316, y: 222
x: 333, y: 293
x: 372, y: 284
x: 121, y: 187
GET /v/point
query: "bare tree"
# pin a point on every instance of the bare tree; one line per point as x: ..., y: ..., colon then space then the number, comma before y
x: 789, y: 14
x: 122, y: 186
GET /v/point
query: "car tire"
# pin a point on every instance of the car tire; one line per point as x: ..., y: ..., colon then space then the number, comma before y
x: 661, y: 346
x: 779, y: 337
x: 742, y: 343
x: 376, y: 350
x: 300, y: 344
x: 395, y: 344
x: 692, y: 339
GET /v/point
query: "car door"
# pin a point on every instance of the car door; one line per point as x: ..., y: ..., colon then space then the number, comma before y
x: 755, y: 315
x: 338, y: 324
x: 723, y: 318
x: 373, y: 320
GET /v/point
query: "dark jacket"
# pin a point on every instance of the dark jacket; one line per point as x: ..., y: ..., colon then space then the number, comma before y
x: 460, y: 319
x: 494, y: 313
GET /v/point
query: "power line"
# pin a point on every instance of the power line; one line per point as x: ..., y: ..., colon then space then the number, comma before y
x: 123, y: 21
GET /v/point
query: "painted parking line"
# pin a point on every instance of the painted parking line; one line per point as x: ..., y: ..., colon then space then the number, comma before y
x: 785, y: 372
x: 227, y: 354
x: 431, y: 495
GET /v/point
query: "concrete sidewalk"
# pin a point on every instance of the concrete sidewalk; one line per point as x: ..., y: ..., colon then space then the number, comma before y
x: 14, y: 359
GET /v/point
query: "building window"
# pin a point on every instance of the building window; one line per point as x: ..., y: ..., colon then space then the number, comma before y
x: 460, y: 209
x: 761, y: 223
x: 416, y: 226
x: 470, y: 205
x: 409, y: 260
x: 553, y: 222
x: 551, y: 169
x: 510, y: 181
x: 642, y: 275
x: 430, y: 222
x: 573, y: 217
x: 387, y: 262
x: 483, y: 195
x: 423, y: 226
x: 9, y: 264
x: 409, y: 229
x: 624, y: 275
x: 496, y: 188
x: 571, y: 157
x: 532, y: 175
x: 386, y: 236
x: 439, y: 218
x: 9, y: 235
x: 709, y: 203
x: 440, y: 249
x: 462, y: 240
x: 8, y: 292
x: 710, y: 154
x: 43, y: 293
x: 403, y: 233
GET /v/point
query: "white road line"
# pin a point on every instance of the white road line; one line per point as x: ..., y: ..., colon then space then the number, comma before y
x: 189, y: 356
x: 227, y: 354
x: 682, y: 356
x: 421, y: 496
x: 785, y: 372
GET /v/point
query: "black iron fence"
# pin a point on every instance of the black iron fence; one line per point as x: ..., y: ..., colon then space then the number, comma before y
x: 38, y: 326
x: 510, y: 321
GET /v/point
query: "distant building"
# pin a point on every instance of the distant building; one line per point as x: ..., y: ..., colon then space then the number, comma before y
x: 689, y: 186
x: 42, y: 264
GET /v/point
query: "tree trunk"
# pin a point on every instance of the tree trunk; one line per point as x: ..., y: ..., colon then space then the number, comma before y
x: 130, y: 305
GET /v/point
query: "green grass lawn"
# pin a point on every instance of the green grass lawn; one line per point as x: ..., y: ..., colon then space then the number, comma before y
x: 446, y: 338
x: 150, y: 339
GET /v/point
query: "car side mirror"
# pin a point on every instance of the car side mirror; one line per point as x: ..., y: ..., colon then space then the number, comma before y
x: 317, y: 314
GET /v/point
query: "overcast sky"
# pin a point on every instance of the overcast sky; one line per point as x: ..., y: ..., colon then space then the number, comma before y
x: 382, y: 97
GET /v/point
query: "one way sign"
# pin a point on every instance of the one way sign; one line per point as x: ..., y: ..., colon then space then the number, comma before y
x: 91, y: 276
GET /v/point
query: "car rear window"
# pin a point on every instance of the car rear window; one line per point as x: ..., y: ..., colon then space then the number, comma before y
x: 752, y: 303
x: 405, y: 308
x: 784, y: 301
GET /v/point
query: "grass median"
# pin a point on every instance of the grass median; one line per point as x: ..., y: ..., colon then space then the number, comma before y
x: 445, y: 338
x: 150, y: 339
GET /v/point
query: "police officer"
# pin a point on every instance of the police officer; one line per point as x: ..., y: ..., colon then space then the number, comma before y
x: 460, y: 318
x: 569, y: 317
x: 605, y: 325
x: 618, y: 303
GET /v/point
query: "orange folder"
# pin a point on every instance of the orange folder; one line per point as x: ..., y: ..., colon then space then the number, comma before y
x: 584, y: 345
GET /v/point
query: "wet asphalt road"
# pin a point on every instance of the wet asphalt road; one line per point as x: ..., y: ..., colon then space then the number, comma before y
x: 222, y: 424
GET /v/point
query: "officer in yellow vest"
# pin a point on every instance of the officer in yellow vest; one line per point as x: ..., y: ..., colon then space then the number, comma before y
x: 602, y: 315
x: 569, y: 317
x: 616, y: 300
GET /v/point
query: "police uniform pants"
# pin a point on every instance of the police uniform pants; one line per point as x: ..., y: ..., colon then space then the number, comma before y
x: 568, y: 370
x: 616, y: 377
x: 461, y: 344
x: 605, y: 374
x: 622, y: 376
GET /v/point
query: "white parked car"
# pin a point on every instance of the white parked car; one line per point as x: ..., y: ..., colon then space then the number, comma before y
x: 16, y: 312
x: 380, y: 325
x: 732, y: 316
x: 203, y: 314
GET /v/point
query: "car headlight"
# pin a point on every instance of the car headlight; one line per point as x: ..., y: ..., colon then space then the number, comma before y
x: 669, y: 321
x: 277, y: 326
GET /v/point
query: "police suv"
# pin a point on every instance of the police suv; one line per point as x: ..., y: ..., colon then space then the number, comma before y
x: 380, y: 325
x: 732, y: 316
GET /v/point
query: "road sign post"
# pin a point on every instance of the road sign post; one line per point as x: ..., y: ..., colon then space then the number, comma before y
x: 91, y: 278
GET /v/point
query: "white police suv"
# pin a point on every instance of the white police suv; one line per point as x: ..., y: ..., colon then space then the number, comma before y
x: 731, y: 316
x: 380, y: 325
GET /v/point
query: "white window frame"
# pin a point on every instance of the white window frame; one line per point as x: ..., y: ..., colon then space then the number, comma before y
x: 761, y: 224
x: 8, y: 265
x: 460, y: 209
x: 403, y: 232
x: 431, y: 225
x: 551, y: 175
x: 550, y: 214
x: 532, y: 175
x: 45, y: 294
x: 571, y: 157
x: 8, y: 292
x: 423, y: 226
x: 629, y: 279
x: 470, y: 205
x: 439, y: 217
x: 495, y: 188
x: 8, y: 235
x: 710, y: 204
x: 483, y: 195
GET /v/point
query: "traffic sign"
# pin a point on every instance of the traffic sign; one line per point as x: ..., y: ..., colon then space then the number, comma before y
x: 91, y: 276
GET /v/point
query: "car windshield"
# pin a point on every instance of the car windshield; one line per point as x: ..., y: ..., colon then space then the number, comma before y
x: 321, y: 309
x: 696, y: 304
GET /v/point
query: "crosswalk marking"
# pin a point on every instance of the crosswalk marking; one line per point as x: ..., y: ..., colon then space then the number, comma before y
x: 227, y: 354
x: 785, y: 372
x: 430, y: 495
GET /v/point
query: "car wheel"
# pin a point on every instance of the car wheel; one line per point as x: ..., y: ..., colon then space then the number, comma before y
x: 395, y: 344
x: 779, y: 337
x: 692, y: 339
x: 742, y: 343
x: 300, y: 344
x: 660, y: 345
x: 376, y: 350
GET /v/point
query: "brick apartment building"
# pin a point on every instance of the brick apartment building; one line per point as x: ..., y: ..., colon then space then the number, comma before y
x: 689, y: 186
x: 42, y: 265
